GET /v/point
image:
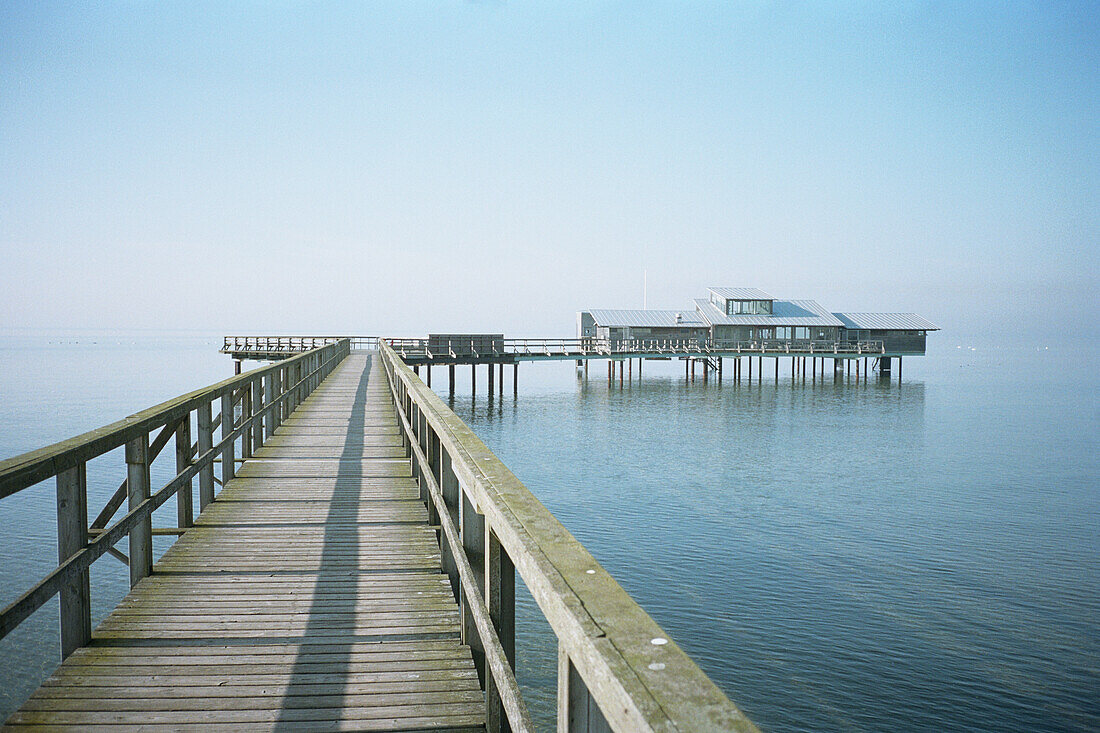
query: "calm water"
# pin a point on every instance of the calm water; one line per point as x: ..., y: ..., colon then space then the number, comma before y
x: 836, y: 557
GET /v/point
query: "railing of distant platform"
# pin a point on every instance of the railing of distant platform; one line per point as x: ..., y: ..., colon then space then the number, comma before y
x: 617, y: 669
x: 250, y: 407
x: 278, y: 345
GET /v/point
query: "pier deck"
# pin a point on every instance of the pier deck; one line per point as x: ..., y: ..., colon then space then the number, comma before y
x: 309, y: 596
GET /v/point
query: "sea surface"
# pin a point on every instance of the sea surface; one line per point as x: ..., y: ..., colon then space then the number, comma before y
x: 922, y: 555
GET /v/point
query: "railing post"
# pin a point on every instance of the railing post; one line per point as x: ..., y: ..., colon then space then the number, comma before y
x: 137, y: 486
x: 205, y: 443
x: 500, y: 597
x: 577, y: 711
x: 472, y: 529
x: 448, y: 486
x: 72, y: 536
x: 228, y: 458
x: 270, y: 380
x: 246, y: 412
x: 257, y: 405
x: 185, y: 511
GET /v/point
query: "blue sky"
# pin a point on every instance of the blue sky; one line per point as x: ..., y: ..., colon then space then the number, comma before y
x: 412, y: 166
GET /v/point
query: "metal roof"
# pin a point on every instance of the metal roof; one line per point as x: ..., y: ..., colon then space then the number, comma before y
x: 740, y: 293
x: 645, y: 318
x: 784, y: 313
x: 886, y: 321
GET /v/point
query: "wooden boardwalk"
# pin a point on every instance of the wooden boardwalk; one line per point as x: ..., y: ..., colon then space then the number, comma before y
x: 308, y: 596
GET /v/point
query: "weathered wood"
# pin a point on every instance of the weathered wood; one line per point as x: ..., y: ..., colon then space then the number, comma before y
x: 72, y: 521
x: 228, y: 448
x: 500, y: 598
x: 257, y: 415
x: 141, y: 536
x: 185, y: 512
x: 204, y: 422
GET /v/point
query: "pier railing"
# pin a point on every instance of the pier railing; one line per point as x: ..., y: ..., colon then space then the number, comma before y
x: 449, y: 351
x: 283, y: 345
x: 249, y: 408
x: 617, y: 669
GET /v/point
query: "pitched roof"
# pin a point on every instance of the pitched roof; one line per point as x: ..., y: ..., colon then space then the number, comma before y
x: 784, y: 313
x: 646, y: 318
x: 740, y: 293
x: 886, y: 321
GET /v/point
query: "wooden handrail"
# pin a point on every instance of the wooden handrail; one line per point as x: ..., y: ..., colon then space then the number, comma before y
x: 612, y: 654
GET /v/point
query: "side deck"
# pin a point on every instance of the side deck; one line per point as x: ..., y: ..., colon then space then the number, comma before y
x: 308, y: 596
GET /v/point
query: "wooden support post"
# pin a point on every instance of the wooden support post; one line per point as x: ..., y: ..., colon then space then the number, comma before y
x: 473, y: 379
x: 577, y: 711
x: 750, y: 369
x: 236, y: 367
x: 620, y: 373
x: 228, y: 466
x: 473, y: 544
x: 585, y: 368
x: 803, y: 360
x: 429, y: 370
x: 899, y: 370
x: 451, y: 378
x: 639, y: 368
x: 185, y: 513
x: 630, y: 369
x: 137, y: 491
x: 205, y: 443
x: 500, y: 597
x: 448, y: 486
x: 276, y: 394
x: 246, y: 410
x: 269, y: 397
x: 687, y: 372
x: 515, y: 377
x: 72, y: 537
x: 257, y: 423
x: 500, y: 377
x: 813, y: 370
x: 491, y: 380
x: 609, y: 373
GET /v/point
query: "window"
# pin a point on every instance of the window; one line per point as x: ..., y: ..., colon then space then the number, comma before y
x: 801, y: 332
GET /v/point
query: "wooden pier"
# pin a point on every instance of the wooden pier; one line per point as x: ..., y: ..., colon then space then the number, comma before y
x: 355, y: 572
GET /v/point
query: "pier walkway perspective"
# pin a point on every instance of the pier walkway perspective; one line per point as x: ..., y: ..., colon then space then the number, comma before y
x: 355, y: 572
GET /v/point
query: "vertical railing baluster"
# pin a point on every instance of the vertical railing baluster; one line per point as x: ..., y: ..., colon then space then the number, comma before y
x: 185, y: 512
x: 500, y: 597
x: 269, y: 397
x: 228, y: 457
x: 137, y: 487
x: 257, y: 406
x: 204, y: 420
x: 246, y: 412
x: 577, y: 711
x: 72, y: 537
x: 472, y: 530
x: 448, y: 486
